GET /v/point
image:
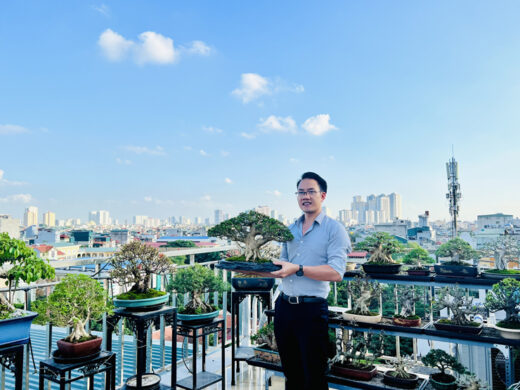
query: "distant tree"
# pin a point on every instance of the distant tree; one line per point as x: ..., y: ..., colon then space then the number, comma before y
x: 417, y: 255
x: 457, y: 249
x: 181, y: 244
x: 381, y: 247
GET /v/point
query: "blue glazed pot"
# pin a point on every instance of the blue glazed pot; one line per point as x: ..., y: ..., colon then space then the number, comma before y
x: 252, y: 284
x: 16, y: 330
x: 141, y: 304
x: 198, y: 318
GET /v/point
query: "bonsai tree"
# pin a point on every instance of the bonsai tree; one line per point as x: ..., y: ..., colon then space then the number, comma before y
x: 362, y: 292
x: 505, y: 295
x: 381, y: 247
x: 470, y: 382
x: 19, y: 263
x: 503, y: 250
x: 354, y: 352
x: 441, y: 360
x: 265, y: 335
x: 458, y: 250
x: 196, y: 280
x: 418, y: 256
x: 400, y: 366
x: 135, y: 263
x: 459, y: 304
x: 75, y: 301
x: 251, y: 230
x: 407, y: 298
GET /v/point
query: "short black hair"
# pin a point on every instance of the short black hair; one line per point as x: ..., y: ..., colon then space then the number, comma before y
x: 311, y: 175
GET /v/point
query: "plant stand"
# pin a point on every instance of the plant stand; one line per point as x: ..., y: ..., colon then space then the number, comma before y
x: 61, y: 373
x: 199, y: 380
x: 140, y: 322
x: 11, y: 357
x: 238, y: 353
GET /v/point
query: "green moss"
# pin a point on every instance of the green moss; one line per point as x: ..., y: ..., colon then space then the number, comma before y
x: 509, y: 324
x: 414, y: 317
x: 243, y: 258
x: 85, y: 338
x: 503, y: 271
x: 451, y: 322
x: 198, y: 310
x: 132, y: 296
x: 371, y: 313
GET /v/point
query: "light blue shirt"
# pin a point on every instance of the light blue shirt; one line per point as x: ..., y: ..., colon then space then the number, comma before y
x: 326, y: 242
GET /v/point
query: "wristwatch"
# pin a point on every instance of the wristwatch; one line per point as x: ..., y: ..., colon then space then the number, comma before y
x: 300, y: 271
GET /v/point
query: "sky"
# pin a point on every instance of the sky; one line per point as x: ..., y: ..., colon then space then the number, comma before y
x: 172, y: 108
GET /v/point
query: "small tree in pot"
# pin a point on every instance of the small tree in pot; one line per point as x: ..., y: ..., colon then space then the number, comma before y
x: 459, y: 251
x: 441, y: 360
x: 461, y: 308
x: 399, y: 375
x: 363, y: 292
x: 504, y: 249
x: 381, y: 247
x: 407, y: 316
x: 266, y: 344
x: 75, y: 301
x: 505, y: 295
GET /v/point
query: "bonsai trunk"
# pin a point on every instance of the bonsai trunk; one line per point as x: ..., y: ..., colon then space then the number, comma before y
x: 141, y: 286
x: 197, y: 302
x: 78, y: 331
x: 5, y: 302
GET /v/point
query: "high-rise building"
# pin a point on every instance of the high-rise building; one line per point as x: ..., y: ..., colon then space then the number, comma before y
x: 10, y: 226
x: 30, y: 216
x: 219, y: 216
x: 327, y: 211
x: 207, y: 222
x: 49, y: 219
x: 266, y: 210
x: 395, y: 206
x: 359, y: 207
x: 383, y: 208
x: 140, y: 219
x: 274, y: 214
x: 100, y: 217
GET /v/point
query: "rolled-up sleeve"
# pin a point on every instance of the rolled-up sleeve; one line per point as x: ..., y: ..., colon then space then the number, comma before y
x: 284, y: 255
x: 338, y: 249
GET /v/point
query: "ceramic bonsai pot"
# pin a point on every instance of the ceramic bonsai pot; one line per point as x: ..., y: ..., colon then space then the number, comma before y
x: 458, y: 328
x: 402, y: 383
x: 508, y: 333
x: 353, y: 372
x: 238, y: 266
x: 198, y: 318
x: 252, y: 284
x: 149, y: 381
x: 361, y: 318
x: 16, y: 330
x: 499, y: 276
x: 418, y: 272
x: 381, y: 268
x: 456, y: 270
x: 443, y: 382
x: 85, y: 348
x: 406, y: 321
x: 268, y: 355
x: 142, y: 304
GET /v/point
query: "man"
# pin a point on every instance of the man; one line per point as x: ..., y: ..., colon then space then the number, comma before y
x: 315, y: 257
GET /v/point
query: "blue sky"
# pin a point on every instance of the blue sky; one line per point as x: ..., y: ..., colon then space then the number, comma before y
x: 178, y: 108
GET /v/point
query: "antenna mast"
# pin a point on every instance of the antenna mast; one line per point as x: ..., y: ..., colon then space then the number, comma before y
x: 454, y: 194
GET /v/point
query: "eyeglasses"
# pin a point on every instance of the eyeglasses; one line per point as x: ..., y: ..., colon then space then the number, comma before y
x: 303, y: 193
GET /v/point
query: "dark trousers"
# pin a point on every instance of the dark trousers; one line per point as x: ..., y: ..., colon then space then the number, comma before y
x: 301, y: 332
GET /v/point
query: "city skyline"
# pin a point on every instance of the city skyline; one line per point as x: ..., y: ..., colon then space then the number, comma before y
x: 182, y: 109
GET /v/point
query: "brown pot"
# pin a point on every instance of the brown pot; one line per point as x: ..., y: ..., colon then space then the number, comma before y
x: 352, y: 372
x: 407, y: 322
x: 84, y: 348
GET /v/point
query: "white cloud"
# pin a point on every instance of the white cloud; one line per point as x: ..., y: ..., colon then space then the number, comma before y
x: 102, y: 9
x: 252, y: 86
x: 148, y: 199
x: 9, y: 182
x: 22, y: 198
x: 293, y: 160
x: 319, y: 124
x: 154, y: 48
x: 274, y: 192
x: 206, y: 198
x: 157, y: 151
x: 228, y: 180
x: 123, y: 161
x: 12, y: 129
x: 1, y: 174
x: 278, y: 123
x: 248, y: 135
x: 224, y: 153
x: 211, y: 129
x: 203, y: 153
x: 198, y: 48
x: 114, y: 46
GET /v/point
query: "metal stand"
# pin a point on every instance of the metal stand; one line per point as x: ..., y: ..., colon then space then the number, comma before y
x: 238, y: 353
x: 11, y: 357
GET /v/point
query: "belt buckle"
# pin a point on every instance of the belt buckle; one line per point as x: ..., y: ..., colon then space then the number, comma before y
x: 297, y: 301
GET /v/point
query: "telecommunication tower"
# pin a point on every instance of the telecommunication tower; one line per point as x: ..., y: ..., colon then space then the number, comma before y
x: 454, y: 194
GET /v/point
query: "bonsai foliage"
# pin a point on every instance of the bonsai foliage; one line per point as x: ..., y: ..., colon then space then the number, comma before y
x: 443, y: 361
x: 503, y: 250
x: 505, y: 295
x: 400, y: 366
x: 251, y: 230
x: 471, y: 382
x: 407, y: 298
x: 417, y: 256
x: 25, y: 265
x: 196, y: 280
x: 362, y: 292
x: 354, y: 351
x: 381, y: 247
x: 459, y: 304
x: 457, y: 249
x: 134, y: 264
x: 265, y: 335
x: 75, y: 301
x: 181, y: 244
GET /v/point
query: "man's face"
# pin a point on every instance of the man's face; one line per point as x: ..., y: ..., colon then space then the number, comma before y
x: 307, y: 202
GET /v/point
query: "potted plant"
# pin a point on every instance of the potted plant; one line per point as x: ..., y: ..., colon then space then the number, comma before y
x: 251, y: 231
x: 470, y: 382
x: 381, y: 246
x: 505, y: 295
x: 75, y: 301
x: 407, y: 316
x: 362, y: 291
x: 503, y: 250
x: 18, y: 263
x: 399, y: 376
x: 266, y: 348
x: 133, y: 265
x: 196, y: 280
x: 352, y: 359
x: 461, y: 308
x: 458, y: 250
x: 416, y: 257
x: 441, y: 360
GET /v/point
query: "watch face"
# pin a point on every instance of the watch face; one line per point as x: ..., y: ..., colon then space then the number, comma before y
x: 300, y: 271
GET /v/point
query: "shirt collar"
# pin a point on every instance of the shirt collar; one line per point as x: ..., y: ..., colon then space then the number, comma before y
x: 318, y: 219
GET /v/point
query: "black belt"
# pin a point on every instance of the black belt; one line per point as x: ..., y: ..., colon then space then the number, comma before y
x: 301, y: 299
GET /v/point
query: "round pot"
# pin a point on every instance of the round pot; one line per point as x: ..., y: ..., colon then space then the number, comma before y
x: 381, y: 268
x: 456, y: 270
x: 406, y: 322
x: 198, y: 318
x: 458, y: 328
x: 252, y: 284
x: 360, y: 318
x: 509, y: 333
x: 84, y: 348
x: 402, y: 383
x: 149, y: 381
x: 443, y: 382
x: 353, y: 372
x: 142, y: 304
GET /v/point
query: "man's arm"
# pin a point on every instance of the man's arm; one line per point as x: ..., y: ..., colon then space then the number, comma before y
x: 317, y: 272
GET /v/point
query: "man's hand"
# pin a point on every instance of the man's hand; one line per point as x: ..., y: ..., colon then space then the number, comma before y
x: 287, y: 269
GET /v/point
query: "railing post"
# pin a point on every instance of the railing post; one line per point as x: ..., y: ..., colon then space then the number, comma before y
x: 162, y: 337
